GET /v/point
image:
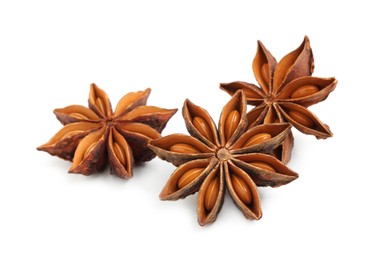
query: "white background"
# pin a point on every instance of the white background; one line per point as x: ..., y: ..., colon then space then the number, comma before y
x: 51, y: 51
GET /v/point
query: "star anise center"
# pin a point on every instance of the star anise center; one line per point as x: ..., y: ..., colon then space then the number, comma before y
x: 270, y: 99
x: 223, y: 154
x: 109, y: 121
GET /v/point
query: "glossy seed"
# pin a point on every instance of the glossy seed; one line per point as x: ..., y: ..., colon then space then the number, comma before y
x: 301, y: 119
x: 265, y: 73
x: 211, y: 194
x: 305, y: 91
x: 257, y: 139
x: 120, y: 154
x: 71, y: 133
x: 183, y: 148
x: 78, y: 115
x: 231, y: 124
x: 100, y: 105
x: 242, y: 189
x: 189, y: 176
x: 203, y: 127
x: 263, y: 165
x: 89, y: 149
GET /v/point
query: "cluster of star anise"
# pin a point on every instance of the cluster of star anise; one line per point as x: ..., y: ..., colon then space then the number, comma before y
x: 245, y: 150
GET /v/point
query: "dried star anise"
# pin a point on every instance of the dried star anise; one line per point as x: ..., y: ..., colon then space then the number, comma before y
x: 286, y: 90
x: 212, y: 161
x: 91, y: 135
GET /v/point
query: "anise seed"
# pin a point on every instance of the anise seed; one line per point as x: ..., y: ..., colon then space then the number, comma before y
x: 231, y: 123
x: 78, y: 115
x: 304, y: 91
x: 120, y: 154
x: 242, y: 189
x: 183, y: 148
x: 211, y: 194
x: 264, y: 166
x: 203, y: 127
x: 189, y: 176
x: 71, y: 133
x: 257, y: 139
x: 301, y: 119
x: 90, y: 148
x: 100, y: 105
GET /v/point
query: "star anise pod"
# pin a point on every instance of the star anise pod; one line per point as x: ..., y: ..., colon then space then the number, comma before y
x: 286, y: 90
x: 91, y: 135
x: 212, y: 161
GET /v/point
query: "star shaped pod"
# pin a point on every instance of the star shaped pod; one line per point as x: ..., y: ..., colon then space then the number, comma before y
x: 286, y: 91
x: 92, y: 135
x: 230, y: 158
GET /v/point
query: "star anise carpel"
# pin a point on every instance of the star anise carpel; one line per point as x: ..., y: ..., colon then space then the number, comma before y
x: 286, y: 90
x: 229, y: 158
x: 92, y: 135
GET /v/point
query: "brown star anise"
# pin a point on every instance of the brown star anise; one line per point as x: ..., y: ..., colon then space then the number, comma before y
x: 286, y: 90
x: 212, y: 161
x: 91, y: 135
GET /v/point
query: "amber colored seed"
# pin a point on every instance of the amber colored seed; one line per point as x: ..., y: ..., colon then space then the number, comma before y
x: 231, y: 123
x: 71, y: 133
x: 90, y: 148
x: 257, y: 139
x: 189, y: 176
x: 305, y: 91
x: 265, y: 73
x: 242, y: 189
x: 301, y: 119
x: 78, y: 115
x: 211, y: 194
x: 120, y: 154
x: 100, y: 105
x: 183, y: 148
x: 203, y: 127
x: 264, y: 166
